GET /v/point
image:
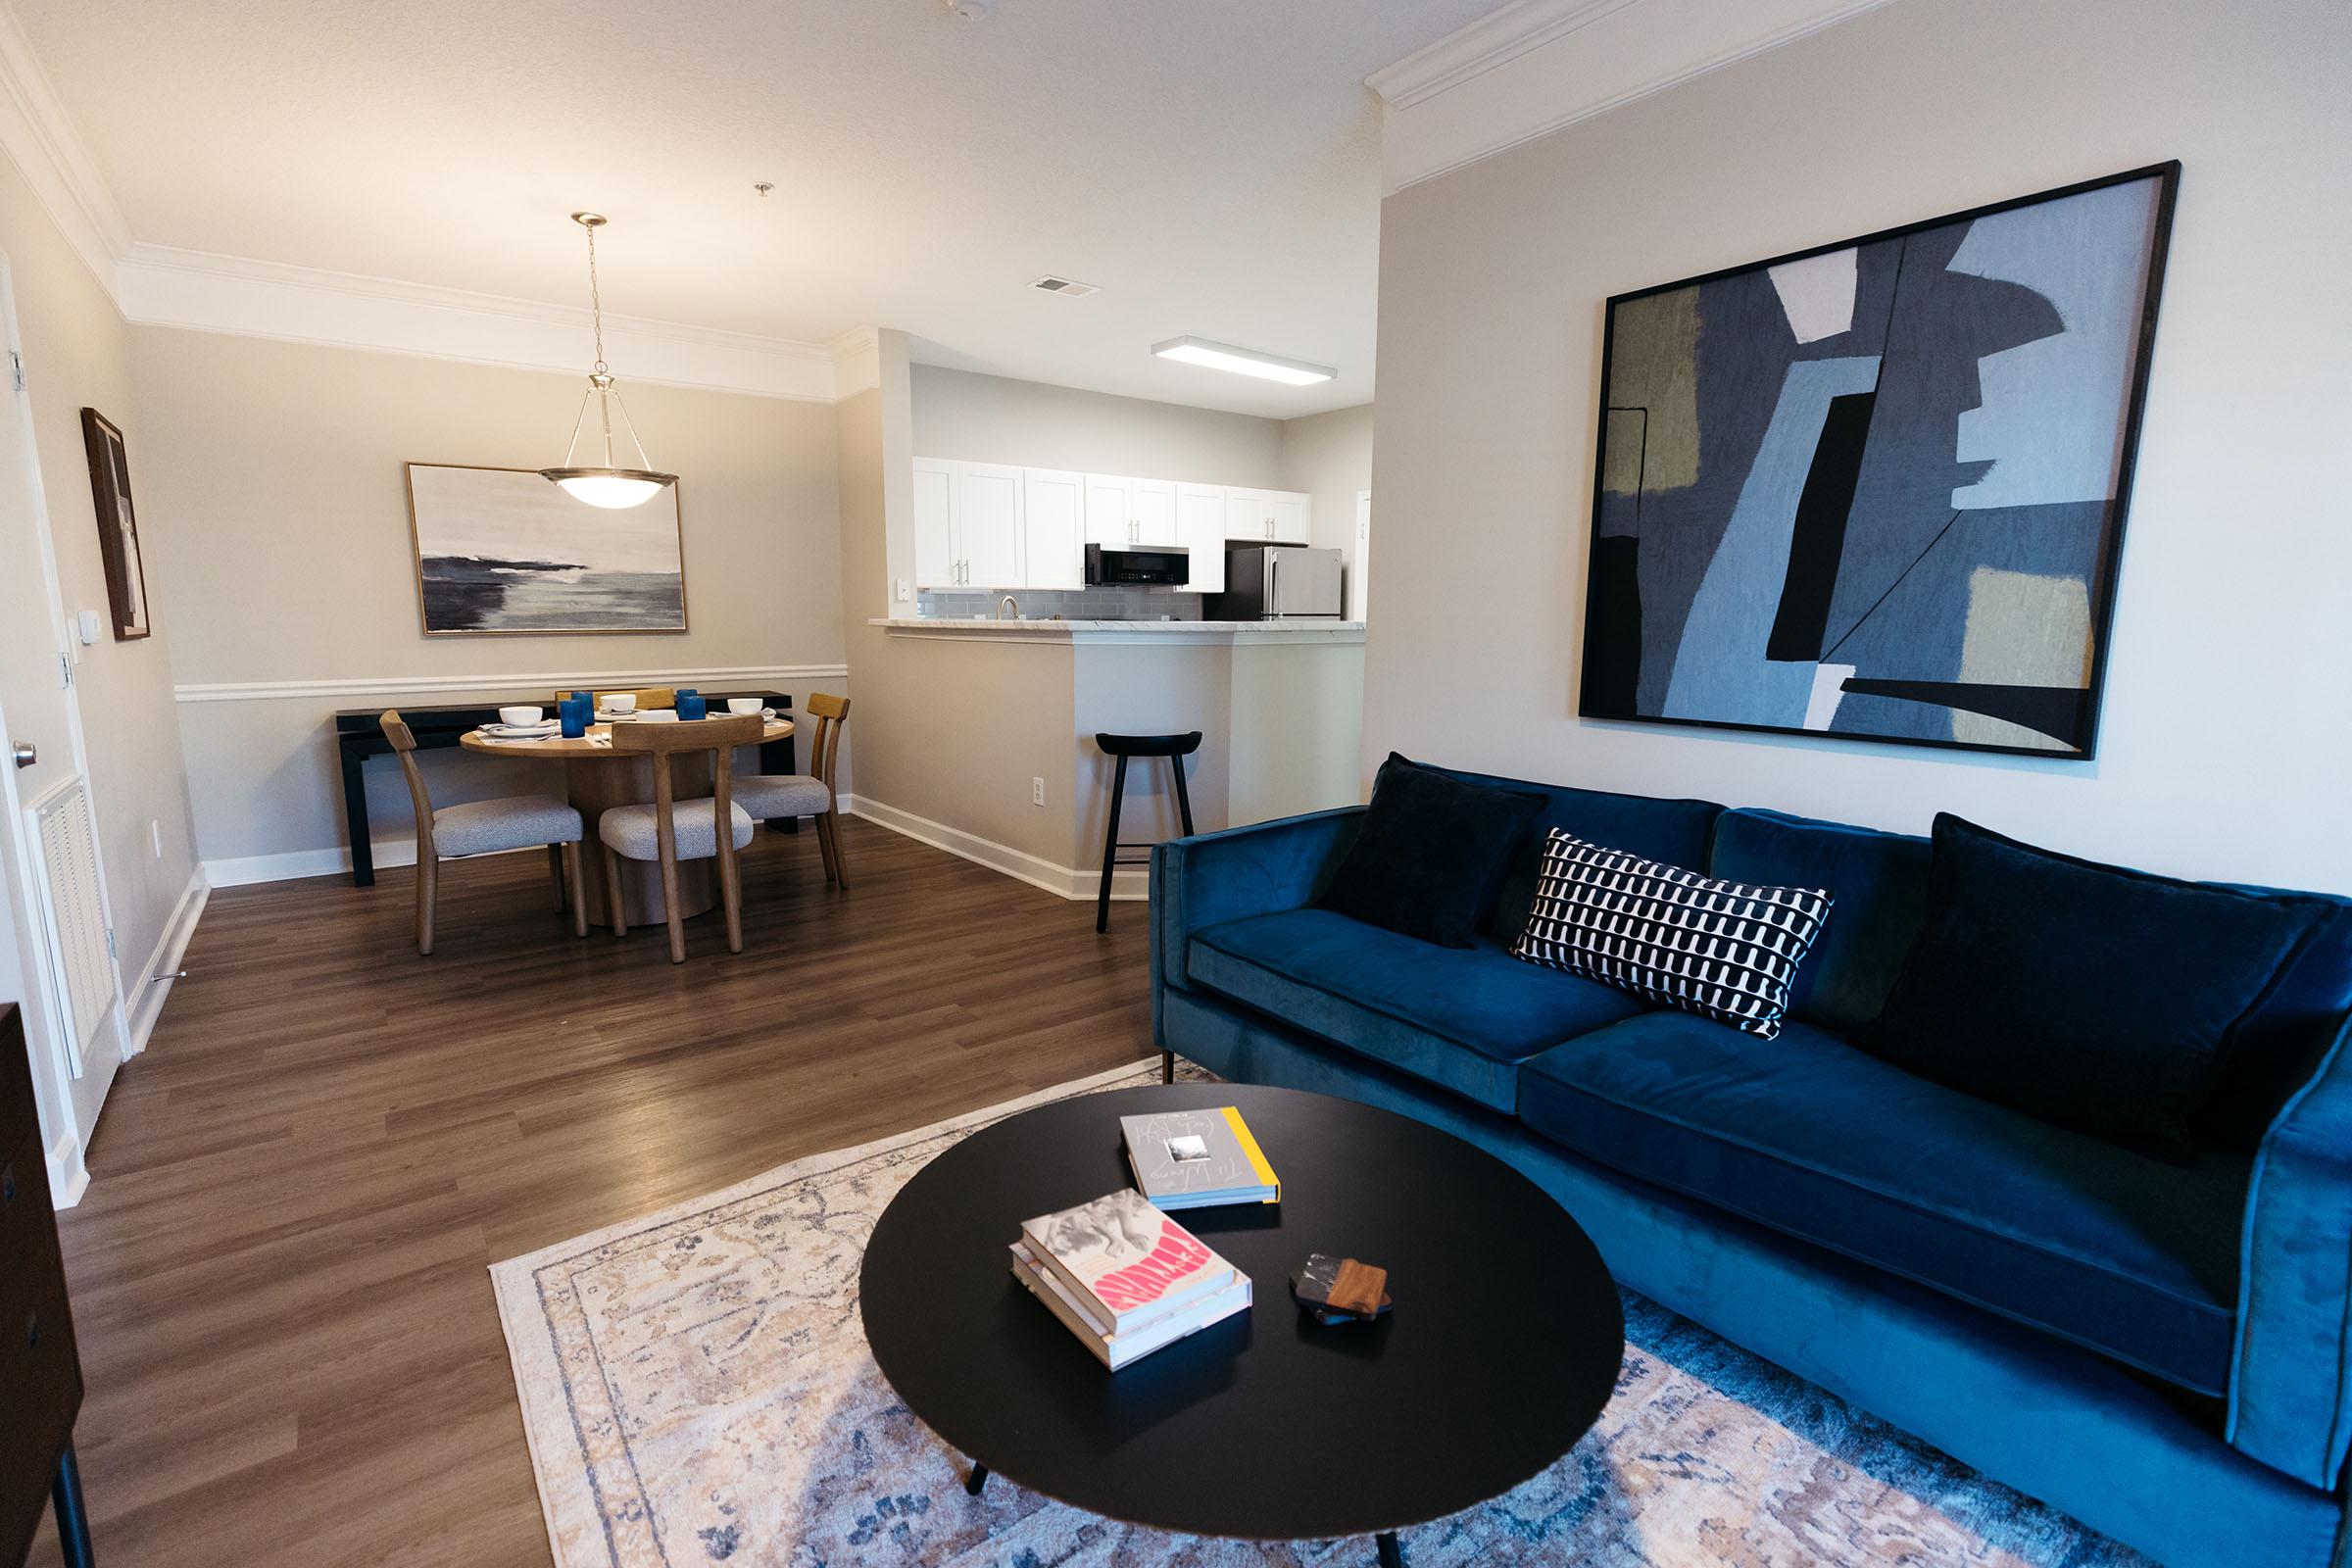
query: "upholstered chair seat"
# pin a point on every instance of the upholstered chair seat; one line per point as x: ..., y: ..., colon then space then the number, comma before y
x: 636, y: 830
x: 768, y: 796
x: 519, y: 822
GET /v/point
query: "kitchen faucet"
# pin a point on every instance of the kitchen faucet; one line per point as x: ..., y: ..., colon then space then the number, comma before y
x: 1009, y: 600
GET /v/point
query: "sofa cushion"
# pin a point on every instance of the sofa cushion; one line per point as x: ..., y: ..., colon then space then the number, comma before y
x: 2135, y: 1258
x: 1676, y: 832
x: 2093, y: 997
x: 1460, y: 1018
x: 1880, y: 881
x: 1431, y: 854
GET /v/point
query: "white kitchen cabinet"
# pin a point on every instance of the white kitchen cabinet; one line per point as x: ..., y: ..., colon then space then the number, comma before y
x: 1269, y: 516
x: 1200, y: 521
x: 1123, y: 513
x: 967, y: 524
x: 1053, y: 528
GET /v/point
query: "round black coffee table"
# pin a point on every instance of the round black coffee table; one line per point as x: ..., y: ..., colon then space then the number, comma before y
x: 1501, y: 1351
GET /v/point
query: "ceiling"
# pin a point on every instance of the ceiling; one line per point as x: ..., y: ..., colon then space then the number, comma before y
x: 1213, y: 165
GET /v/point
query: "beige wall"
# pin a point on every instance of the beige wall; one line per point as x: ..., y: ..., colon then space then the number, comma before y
x: 989, y: 418
x: 1329, y: 456
x: 2227, y: 734
x: 286, y: 551
x: 76, y: 353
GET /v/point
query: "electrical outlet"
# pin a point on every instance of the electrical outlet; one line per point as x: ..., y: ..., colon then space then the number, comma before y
x: 1036, y: 792
x: 155, y: 831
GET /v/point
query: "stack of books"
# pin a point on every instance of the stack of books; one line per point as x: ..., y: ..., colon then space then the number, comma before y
x: 1194, y: 1158
x: 1124, y: 1277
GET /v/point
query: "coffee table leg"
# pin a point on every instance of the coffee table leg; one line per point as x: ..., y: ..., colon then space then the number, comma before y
x: 978, y: 1479
x: 1391, y: 1556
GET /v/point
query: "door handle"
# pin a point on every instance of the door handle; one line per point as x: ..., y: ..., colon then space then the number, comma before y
x: 26, y: 754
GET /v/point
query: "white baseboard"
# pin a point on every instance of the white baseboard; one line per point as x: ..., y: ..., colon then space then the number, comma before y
x: 1129, y: 883
x: 294, y: 864
x: 69, y: 1177
x: 151, y: 986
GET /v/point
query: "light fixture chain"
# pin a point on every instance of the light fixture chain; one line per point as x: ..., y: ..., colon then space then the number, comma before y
x: 596, y: 300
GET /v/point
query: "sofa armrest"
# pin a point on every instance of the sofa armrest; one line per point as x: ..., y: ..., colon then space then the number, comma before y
x: 1214, y: 877
x: 2290, y: 1383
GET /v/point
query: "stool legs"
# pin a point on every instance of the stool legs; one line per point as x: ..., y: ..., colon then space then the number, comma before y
x: 73, y: 1518
x: 1111, y: 845
x: 1184, y: 800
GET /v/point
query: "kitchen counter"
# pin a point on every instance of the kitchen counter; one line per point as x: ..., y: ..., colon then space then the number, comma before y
x: 1245, y: 633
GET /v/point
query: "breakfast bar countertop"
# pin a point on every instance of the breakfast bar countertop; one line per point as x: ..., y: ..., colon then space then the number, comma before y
x: 1318, y: 630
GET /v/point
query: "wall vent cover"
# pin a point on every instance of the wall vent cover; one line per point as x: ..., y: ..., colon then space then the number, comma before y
x: 1068, y: 288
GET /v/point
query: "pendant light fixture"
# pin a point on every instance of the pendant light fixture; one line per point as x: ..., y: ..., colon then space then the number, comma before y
x: 605, y: 485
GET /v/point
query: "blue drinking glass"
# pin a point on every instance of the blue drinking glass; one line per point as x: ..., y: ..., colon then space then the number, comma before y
x: 573, y: 714
x: 691, y: 703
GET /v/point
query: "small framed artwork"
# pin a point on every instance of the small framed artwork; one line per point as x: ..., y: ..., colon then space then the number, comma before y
x: 118, y: 524
x: 1876, y: 490
x: 502, y: 551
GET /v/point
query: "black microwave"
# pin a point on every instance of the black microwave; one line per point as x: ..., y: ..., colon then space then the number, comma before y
x: 1143, y: 568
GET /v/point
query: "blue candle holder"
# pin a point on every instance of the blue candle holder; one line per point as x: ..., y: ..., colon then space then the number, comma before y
x: 573, y: 714
x: 691, y: 703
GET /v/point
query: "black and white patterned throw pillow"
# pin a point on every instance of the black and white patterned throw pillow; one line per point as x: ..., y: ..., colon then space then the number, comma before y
x: 1724, y: 950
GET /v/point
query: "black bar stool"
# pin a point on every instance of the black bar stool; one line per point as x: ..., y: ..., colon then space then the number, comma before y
x: 1175, y: 747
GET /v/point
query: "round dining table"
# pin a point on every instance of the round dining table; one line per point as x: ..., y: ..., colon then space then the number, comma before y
x: 598, y: 778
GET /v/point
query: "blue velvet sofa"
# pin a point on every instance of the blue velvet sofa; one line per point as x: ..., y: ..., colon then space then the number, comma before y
x: 2164, y: 1353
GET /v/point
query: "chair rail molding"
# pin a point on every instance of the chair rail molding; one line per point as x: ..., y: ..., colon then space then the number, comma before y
x: 1542, y: 65
x: 258, y: 691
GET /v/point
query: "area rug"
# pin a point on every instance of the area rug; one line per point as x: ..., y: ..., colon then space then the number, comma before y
x: 697, y: 1389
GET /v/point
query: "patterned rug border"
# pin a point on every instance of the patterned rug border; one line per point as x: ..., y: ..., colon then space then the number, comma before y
x: 523, y: 1321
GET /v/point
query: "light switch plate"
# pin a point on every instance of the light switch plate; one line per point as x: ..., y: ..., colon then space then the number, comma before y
x: 89, y: 625
x: 906, y: 592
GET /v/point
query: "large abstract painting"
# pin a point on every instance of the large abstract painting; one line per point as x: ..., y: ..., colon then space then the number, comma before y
x: 502, y: 550
x: 1877, y: 489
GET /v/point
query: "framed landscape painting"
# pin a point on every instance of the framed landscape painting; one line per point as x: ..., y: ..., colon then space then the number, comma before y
x: 1876, y: 490
x: 502, y: 550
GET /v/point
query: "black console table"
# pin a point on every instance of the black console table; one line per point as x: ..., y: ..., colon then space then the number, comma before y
x: 41, y: 1376
x: 360, y: 735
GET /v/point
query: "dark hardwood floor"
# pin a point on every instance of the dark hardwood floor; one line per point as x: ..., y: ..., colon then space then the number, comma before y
x: 279, y: 1273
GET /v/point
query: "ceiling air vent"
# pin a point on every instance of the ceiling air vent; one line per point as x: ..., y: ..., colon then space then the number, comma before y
x: 1068, y: 288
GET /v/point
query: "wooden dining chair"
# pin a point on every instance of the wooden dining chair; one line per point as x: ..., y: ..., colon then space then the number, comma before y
x: 669, y: 830
x: 485, y: 827
x: 768, y: 796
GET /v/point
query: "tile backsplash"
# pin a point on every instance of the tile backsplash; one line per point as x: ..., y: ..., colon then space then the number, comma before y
x: 1089, y: 604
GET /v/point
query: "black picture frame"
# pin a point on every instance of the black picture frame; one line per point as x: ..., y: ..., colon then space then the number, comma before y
x: 2101, y: 583
x: 118, y: 527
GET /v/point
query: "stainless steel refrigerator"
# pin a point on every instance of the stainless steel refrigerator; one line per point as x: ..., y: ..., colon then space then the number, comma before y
x: 1277, y: 582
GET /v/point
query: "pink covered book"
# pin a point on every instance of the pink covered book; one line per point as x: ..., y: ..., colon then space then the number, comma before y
x: 1126, y: 1259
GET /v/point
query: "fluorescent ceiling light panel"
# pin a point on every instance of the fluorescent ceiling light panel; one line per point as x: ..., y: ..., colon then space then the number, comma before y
x: 1243, y: 361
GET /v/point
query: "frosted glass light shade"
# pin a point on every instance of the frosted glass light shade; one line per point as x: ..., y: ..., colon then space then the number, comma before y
x: 614, y: 489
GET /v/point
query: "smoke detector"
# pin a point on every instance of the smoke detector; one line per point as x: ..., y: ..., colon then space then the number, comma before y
x: 968, y: 10
x: 1067, y: 288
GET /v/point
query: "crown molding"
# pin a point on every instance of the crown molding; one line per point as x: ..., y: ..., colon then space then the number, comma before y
x: 163, y: 286
x: 1544, y: 65
x: 856, y: 362
x: 48, y: 151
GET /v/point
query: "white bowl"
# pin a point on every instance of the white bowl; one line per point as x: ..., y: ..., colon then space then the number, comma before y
x: 617, y: 702
x: 743, y: 705
x: 521, y: 717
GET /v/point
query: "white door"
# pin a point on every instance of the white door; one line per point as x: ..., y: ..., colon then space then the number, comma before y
x: 1053, y: 528
x: 1154, y: 504
x: 1201, y: 519
x: 988, y: 525
x: 72, y: 1066
x: 1109, y: 521
x: 934, y: 563
x: 1359, y: 576
x: 1289, y: 518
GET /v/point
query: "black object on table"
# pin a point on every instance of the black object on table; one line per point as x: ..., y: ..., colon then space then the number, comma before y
x: 360, y: 735
x: 1175, y: 747
x: 1266, y: 1426
x: 41, y: 1376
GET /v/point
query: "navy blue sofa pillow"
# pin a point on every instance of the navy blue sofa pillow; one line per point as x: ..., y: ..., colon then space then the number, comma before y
x: 2087, y: 996
x: 1430, y: 858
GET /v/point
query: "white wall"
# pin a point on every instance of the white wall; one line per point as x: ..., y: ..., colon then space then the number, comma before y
x: 276, y: 472
x: 1329, y: 456
x: 989, y: 419
x: 2226, y: 740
